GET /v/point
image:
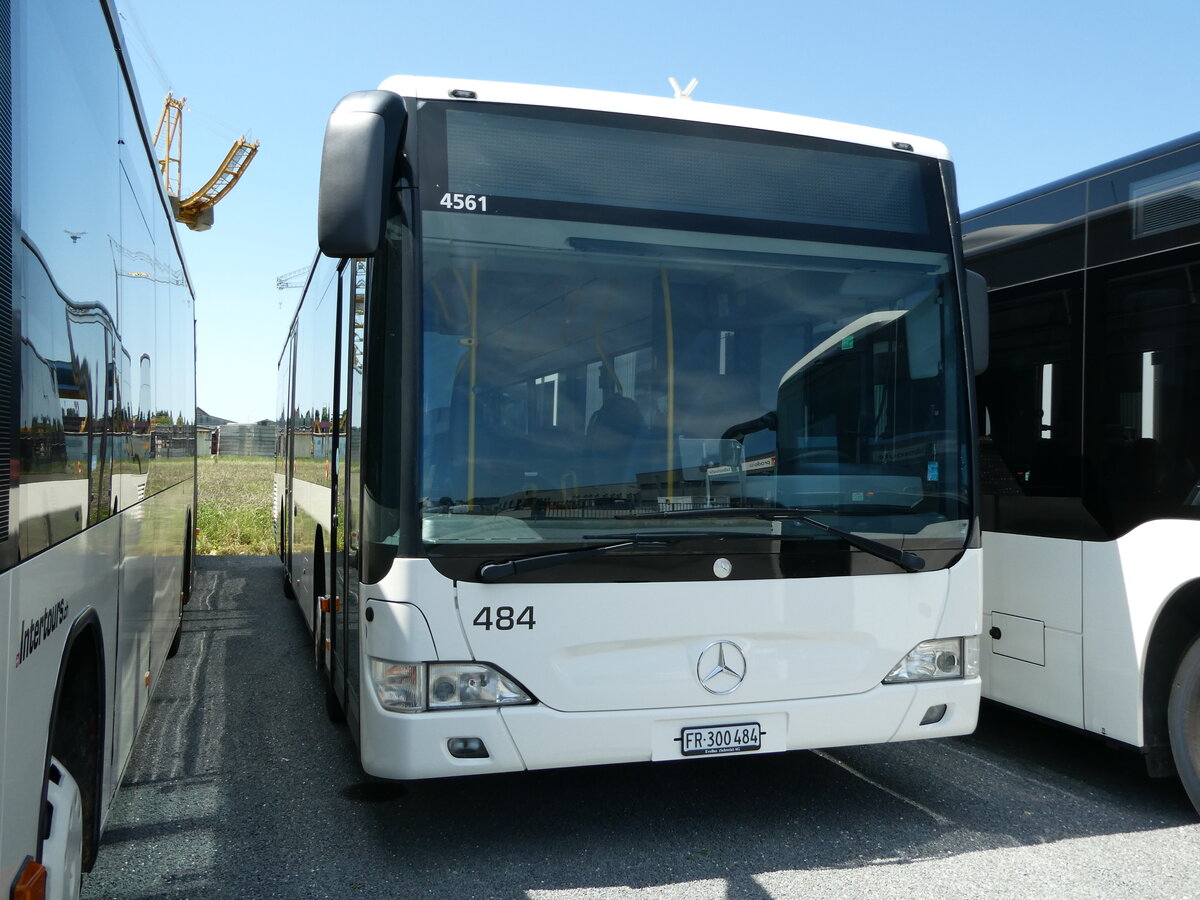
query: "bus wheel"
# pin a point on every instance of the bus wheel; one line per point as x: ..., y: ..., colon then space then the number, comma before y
x: 1183, y: 722
x: 62, y: 850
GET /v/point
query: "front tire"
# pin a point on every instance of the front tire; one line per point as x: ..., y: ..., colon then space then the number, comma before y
x: 1183, y: 722
x: 62, y: 850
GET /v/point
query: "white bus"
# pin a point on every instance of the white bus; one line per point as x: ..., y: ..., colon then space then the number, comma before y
x: 1091, y: 453
x: 97, y: 450
x: 619, y: 428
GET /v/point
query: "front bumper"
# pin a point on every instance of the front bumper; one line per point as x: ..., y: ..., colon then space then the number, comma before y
x: 410, y: 746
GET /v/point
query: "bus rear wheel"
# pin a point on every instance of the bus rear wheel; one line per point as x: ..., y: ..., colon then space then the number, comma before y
x: 62, y: 850
x: 1183, y: 722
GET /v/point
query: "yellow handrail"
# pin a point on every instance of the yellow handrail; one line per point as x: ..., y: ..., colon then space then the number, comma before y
x: 670, y: 337
x: 473, y: 351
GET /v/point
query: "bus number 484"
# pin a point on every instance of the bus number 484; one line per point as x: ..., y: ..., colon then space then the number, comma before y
x: 505, y: 619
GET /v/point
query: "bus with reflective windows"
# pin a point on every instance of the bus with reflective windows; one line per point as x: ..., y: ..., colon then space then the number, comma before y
x: 97, y: 447
x: 1091, y: 453
x: 618, y: 428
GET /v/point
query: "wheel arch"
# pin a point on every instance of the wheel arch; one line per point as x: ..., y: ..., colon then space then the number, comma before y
x: 79, y: 709
x: 1176, y: 626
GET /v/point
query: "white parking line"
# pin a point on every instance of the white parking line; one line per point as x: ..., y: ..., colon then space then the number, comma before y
x: 937, y: 817
x: 1009, y: 771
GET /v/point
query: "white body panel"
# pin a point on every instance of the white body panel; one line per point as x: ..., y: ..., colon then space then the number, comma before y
x: 614, y: 667
x: 81, y: 574
x: 7, y: 863
x: 109, y: 570
x: 1033, y: 595
x: 1097, y: 603
x: 427, y: 88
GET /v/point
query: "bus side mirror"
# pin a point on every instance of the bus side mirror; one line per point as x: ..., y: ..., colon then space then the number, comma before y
x: 977, y: 318
x: 358, y: 160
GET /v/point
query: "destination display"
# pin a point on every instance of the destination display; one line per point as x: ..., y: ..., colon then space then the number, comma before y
x: 492, y: 160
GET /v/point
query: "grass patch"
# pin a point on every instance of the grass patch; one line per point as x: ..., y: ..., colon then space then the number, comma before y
x: 234, y: 517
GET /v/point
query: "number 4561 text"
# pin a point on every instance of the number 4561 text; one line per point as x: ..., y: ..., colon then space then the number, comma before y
x: 464, y: 202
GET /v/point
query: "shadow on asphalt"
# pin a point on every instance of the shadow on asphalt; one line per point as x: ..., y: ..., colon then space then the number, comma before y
x: 240, y: 783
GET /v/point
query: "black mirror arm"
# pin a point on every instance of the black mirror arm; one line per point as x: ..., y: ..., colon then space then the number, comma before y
x: 765, y: 422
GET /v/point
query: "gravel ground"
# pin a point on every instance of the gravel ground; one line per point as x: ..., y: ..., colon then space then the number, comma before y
x: 240, y: 787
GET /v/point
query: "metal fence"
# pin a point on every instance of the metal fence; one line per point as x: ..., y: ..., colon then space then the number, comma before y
x: 246, y: 440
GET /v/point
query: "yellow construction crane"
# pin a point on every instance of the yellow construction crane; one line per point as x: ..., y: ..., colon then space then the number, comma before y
x: 196, y: 210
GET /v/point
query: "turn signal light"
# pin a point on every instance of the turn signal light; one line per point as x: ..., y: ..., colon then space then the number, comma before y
x: 31, y: 881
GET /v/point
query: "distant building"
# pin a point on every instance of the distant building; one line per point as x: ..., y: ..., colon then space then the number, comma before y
x: 204, y: 420
x: 224, y: 437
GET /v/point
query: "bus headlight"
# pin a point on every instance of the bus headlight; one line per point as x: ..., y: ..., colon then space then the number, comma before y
x: 937, y: 660
x: 458, y: 685
x: 416, y: 687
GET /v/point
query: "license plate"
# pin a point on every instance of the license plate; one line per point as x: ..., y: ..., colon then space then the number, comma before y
x: 707, y: 740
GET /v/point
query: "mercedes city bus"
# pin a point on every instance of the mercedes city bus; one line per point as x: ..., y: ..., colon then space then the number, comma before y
x: 1091, y: 452
x: 619, y: 428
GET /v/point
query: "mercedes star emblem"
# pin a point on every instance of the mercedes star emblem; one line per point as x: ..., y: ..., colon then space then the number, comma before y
x: 721, y: 667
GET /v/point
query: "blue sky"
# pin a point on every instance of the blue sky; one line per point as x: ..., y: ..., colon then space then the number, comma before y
x: 1022, y: 92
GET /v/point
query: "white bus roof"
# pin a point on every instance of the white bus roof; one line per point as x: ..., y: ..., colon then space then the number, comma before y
x: 432, y: 88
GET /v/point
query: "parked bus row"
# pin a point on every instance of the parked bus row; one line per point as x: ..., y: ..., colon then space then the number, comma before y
x: 586, y: 456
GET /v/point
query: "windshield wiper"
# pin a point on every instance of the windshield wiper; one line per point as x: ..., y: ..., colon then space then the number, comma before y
x: 909, y: 562
x: 492, y: 572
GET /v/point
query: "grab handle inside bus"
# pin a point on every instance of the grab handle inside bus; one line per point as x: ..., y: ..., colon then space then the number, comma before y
x: 357, y: 162
x: 977, y: 319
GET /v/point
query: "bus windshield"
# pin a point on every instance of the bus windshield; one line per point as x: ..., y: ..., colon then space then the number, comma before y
x: 774, y: 337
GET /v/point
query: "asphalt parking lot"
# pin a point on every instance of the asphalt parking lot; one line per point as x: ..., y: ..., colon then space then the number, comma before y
x: 241, y: 787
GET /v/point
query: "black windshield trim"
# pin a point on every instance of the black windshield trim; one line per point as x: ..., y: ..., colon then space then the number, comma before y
x: 906, y: 560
